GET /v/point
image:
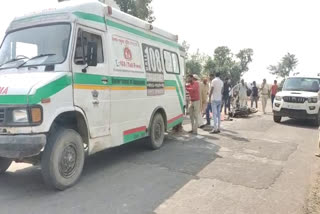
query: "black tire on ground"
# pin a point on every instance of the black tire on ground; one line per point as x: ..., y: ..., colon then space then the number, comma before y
x: 317, y: 120
x: 277, y: 119
x: 4, y: 164
x: 63, y: 159
x: 156, y: 133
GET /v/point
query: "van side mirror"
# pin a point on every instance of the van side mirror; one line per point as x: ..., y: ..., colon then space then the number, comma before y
x: 92, y: 52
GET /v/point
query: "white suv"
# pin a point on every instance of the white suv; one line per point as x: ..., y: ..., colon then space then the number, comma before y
x: 298, y: 99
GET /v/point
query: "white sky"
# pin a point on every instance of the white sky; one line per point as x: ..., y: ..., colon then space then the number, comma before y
x: 270, y: 27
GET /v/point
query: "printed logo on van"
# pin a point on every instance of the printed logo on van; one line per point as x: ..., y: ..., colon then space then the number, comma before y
x: 127, y: 54
x: 4, y: 90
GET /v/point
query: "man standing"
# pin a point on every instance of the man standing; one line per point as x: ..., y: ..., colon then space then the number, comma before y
x: 216, y: 101
x: 194, y: 106
x: 201, y: 89
x: 209, y: 108
x: 274, y: 90
x: 254, y: 95
x: 265, y: 93
x: 204, y: 91
x: 226, y: 96
x: 243, y: 94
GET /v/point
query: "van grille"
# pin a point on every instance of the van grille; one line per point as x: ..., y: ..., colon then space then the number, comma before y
x: 2, y: 115
x: 294, y: 99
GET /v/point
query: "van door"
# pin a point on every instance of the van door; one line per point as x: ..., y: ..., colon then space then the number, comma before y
x: 91, y: 91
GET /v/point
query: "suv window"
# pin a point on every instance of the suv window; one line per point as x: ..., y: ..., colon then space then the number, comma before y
x: 81, y: 47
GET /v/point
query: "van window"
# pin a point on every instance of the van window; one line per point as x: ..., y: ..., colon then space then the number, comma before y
x: 171, y: 62
x: 81, y: 47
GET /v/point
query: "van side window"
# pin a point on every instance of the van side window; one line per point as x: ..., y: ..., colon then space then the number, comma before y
x: 171, y: 62
x: 81, y: 47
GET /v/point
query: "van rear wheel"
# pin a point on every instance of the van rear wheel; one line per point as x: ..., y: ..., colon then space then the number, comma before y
x: 63, y: 159
x: 4, y: 164
x: 156, y: 137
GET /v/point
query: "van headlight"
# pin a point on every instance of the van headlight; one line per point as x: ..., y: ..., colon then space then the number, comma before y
x: 20, y: 116
x: 313, y: 100
x: 24, y: 116
x: 278, y: 98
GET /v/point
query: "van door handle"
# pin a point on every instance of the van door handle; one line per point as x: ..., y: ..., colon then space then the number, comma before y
x: 104, y: 80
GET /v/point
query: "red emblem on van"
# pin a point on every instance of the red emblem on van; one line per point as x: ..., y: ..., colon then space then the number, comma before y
x: 3, y: 90
x: 127, y: 54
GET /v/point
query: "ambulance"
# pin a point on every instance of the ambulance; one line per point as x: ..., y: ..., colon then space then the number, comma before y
x: 81, y: 78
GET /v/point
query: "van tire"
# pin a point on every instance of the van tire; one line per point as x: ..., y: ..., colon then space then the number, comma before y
x: 4, y: 164
x: 156, y: 134
x: 63, y: 159
x: 277, y: 119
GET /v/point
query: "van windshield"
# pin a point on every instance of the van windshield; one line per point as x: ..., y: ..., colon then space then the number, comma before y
x: 301, y: 84
x: 41, y: 45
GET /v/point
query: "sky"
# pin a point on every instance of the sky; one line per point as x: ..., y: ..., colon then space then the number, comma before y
x: 271, y: 28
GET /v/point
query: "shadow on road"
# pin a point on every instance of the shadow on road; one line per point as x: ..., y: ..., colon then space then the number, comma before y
x: 126, y: 179
x: 307, y: 124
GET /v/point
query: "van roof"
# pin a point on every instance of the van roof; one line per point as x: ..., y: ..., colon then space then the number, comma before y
x: 90, y: 10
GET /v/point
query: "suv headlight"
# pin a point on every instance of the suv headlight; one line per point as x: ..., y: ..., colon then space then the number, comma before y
x: 24, y: 116
x: 278, y: 98
x: 312, y: 100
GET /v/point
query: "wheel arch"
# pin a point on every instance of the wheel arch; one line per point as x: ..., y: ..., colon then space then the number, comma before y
x: 160, y: 110
x: 75, y: 120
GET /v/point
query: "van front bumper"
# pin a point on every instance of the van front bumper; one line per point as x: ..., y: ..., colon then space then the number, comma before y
x: 21, y: 146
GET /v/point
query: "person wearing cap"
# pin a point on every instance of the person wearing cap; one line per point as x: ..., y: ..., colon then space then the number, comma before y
x: 194, y: 107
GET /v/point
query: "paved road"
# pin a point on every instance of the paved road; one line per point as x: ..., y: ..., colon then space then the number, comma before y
x: 254, y: 166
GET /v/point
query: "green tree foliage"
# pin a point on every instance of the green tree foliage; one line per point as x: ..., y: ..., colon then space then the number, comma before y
x: 223, y: 61
x: 287, y: 64
x: 245, y: 57
x: 138, y: 8
x: 194, y: 63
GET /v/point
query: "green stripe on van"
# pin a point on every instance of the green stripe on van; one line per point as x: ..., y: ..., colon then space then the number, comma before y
x: 50, y: 89
x: 41, y: 93
x: 173, y: 83
x: 90, y: 17
x: 100, y: 19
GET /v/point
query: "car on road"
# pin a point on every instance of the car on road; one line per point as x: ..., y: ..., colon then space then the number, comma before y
x: 299, y: 99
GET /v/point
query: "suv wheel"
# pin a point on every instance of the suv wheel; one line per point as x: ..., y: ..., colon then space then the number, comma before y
x: 317, y: 120
x: 4, y: 164
x: 277, y: 119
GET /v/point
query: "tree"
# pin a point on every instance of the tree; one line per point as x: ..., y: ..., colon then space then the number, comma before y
x: 194, y: 64
x: 138, y: 8
x: 287, y: 64
x: 245, y: 57
x: 186, y: 47
x: 223, y: 61
x: 209, y: 66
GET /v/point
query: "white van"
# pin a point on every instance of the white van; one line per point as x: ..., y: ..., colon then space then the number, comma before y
x: 81, y: 78
x: 298, y: 99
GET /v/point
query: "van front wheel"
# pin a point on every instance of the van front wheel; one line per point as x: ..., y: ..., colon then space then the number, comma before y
x: 63, y: 159
x: 156, y: 137
x: 4, y: 164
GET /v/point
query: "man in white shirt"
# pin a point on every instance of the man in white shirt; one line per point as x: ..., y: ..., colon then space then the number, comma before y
x: 215, y: 98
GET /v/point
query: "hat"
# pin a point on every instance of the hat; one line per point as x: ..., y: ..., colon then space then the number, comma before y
x: 196, y: 77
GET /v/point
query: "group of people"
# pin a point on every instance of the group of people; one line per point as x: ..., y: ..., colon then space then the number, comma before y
x: 210, y: 96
